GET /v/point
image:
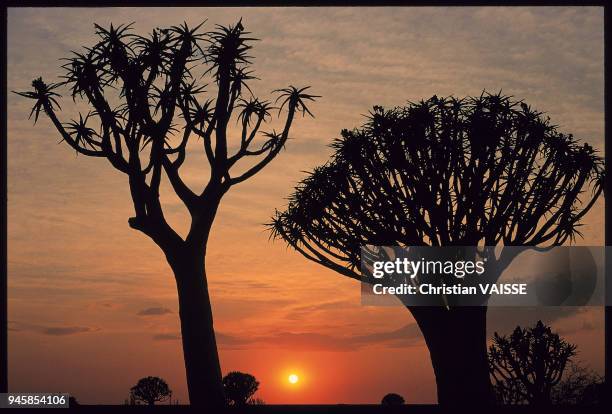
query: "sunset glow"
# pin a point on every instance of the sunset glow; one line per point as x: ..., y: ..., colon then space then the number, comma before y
x: 93, y: 303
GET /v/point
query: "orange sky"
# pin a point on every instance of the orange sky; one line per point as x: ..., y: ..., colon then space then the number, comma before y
x: 92, y: 303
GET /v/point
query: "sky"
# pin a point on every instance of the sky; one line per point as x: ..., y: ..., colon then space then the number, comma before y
x: 92, y: 303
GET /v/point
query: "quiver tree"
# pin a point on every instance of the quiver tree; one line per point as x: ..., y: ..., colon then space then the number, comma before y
x: 239, y: 388
x: 445, y: 172
x: 147, y: 101
x: 150, y: 390
x: 527, y: 365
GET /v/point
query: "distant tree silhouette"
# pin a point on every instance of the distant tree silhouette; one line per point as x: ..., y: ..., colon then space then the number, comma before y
x: 72, y: 402
x: 534, y: 366
x: 477, y: 171
x: 151, y: 390
x: 579, y: 386
x: 392, y: 399
x: 143, y: 94
x: 239, y: 387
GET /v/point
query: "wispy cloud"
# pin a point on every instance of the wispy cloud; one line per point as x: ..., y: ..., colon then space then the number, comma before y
x: 166, y: 337
x: 66, y: 330
x: 155, y: 311
x: 224, y: 341
x: 49, y: 330
x: 406, y: 336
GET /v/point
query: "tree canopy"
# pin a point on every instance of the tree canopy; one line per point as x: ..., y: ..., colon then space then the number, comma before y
x: 146, y: 99
x: 484, y: 170
x: 151, y: 390
x: 239, y: 387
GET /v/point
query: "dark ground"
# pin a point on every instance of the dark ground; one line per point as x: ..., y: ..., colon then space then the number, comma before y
x: 345, y: 409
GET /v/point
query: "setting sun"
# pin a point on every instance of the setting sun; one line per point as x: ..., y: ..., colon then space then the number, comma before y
x: 293, y: 379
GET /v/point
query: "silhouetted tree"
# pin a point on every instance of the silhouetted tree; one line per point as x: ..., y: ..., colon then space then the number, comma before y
x: 239, y: 387
x: 151, y: 390
x: 144, y: 95
x: 534, y: 366
x: 579, y: 386
x: 441, y: 172
x: 594, y: 393
x: 392, y: 399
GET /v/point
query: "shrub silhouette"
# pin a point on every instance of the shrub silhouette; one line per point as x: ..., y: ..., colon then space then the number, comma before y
x: 579, y: 386
x: 392, y: 399
x: 150, y: 390
x: 72, y: 402
x: 239, y: 387
x: 144, y: 95
x: 535, y: 366
x: 477, y: 171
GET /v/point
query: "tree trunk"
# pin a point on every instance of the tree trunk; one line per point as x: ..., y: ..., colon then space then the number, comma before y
x: 199, y: 344
x: 457, y: 342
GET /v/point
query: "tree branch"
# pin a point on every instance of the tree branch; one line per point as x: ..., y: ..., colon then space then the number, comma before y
x: 274, y: 150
